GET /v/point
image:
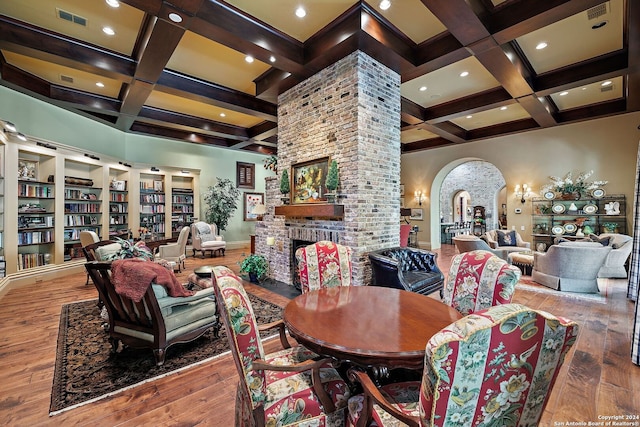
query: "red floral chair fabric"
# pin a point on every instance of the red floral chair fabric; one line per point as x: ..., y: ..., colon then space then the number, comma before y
x: 479, y: 280
x: 493, y: 368
x: 324, y: 265
x: 277, y: 389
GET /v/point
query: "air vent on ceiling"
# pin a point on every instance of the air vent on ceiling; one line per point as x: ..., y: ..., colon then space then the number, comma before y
x: 68, y: 16
x: 606, y: 88
x: 66, y: 79
x: 597, y: 11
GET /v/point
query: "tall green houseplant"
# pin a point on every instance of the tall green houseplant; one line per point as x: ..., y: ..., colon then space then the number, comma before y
x: 332, y: 181
x: 285, y: 186
x: 222, y: 201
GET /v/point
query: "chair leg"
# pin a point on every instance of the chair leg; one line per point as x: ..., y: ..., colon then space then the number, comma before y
x: 87, y: 279
x: 159, y: 354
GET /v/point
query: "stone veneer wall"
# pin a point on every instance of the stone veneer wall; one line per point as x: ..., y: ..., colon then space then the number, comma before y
x: 482, y: 180
x: 350, y: 112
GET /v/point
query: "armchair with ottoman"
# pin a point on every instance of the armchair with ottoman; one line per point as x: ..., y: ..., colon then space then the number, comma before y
x: 509, y: 241
x: 614, y: 265
x: 205, y: 237
x: 467, y: 243
x: 411, y: 269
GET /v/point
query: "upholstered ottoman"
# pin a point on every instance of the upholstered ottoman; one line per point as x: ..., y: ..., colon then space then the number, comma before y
x: 522, y: 260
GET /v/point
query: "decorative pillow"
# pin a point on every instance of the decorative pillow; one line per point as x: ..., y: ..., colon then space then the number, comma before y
x: 603, y: 241
x: 507, y: 239
x: 108, y: 252
x: 203, y: 227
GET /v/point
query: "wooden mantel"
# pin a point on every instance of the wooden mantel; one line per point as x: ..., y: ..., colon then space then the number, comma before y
x: 311, y: 210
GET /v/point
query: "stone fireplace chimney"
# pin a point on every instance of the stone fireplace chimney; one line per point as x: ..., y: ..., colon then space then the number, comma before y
x: 349, y: 112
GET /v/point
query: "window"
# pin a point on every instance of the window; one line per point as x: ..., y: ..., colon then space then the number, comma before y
x: 245, y: 175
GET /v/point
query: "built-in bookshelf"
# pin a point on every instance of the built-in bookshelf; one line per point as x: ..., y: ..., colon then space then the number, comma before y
x: 36, y: 210
x: 3, y: 263
x: 118, y: 206
x: 82, y: 205
x: 152, y: 204
x: 182, y: 202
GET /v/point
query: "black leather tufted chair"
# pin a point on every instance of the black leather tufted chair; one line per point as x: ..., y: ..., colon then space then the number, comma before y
x: 410, y: 269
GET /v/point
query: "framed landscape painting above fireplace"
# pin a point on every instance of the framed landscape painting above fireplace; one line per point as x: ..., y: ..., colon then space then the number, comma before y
x: 308, y: 181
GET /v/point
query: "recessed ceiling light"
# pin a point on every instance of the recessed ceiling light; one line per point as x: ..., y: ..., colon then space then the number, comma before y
x: 113, y: 3
x: 584, y: 88
x: 249, y: 59
x: 503, y: 108
x: 223, y: 115
x: 385, y: 4
x: 108, y: 31
x: 541, y: 45
x: 100, y: 84
x: 468, y: 117
x: 175, y: 17
x: 300, y: 12
x: 423, y: 88
x: 272, y: 58
x: 564, y: 93
x: 607, y: 83
x: 464, y: 74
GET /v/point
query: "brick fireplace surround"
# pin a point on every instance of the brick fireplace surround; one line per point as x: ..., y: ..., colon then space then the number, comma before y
x: 350, y: 112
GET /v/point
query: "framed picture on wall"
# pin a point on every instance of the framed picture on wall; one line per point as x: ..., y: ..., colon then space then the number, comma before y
x: 251, y: 200
x: 416, y: 214
x: 308, y: 181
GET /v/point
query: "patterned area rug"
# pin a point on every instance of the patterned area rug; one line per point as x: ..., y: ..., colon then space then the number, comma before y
x: 86, y: 370
x: 526, y: 283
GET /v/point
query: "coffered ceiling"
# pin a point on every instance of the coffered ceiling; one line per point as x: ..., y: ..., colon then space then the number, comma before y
x: 470, y: 69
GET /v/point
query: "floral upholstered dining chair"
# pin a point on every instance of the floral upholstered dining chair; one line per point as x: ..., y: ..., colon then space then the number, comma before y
x: 289, y: 387
x: 324, y: 264
x: 478, y: 280
x: 493, y: 368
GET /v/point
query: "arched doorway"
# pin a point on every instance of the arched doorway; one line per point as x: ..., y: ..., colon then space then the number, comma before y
x: 484, y: 184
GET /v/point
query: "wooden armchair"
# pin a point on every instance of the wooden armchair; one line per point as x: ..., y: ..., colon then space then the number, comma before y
x: 157, y: 321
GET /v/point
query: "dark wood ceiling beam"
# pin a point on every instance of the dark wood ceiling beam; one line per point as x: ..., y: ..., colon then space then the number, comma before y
x: 185, y: 136
x: 523, y: 17
x: 448, y: 131
x: 83, y: 100
x: 233, y: 28
x: 24, y: 80
x: 209, y: 93
x: 513, y: 127
x: 603, y: 109
x: 410, y: 112
x: 425, y: 144
x: 539, y: 109
x: 583, y: 73
x: 460, y: 18
x: 434, y: 54
x: 194, y: 124
x: 263, y: 131
x: 25, y: 39
x: 471, y: 104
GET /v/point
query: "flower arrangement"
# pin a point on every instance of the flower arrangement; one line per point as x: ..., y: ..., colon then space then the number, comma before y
x: 568, y: 185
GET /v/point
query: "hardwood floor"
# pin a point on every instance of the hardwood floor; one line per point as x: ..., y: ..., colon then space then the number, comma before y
x: 598, y: 378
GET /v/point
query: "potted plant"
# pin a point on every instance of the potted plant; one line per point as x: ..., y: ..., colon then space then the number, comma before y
x: 255, y: 266
x: 609, y: 227
x: 332, y: 181
x: 285, y: 187
x: 221, y: 200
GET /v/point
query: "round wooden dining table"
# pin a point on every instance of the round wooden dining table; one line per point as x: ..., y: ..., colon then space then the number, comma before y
x: 368, y: 326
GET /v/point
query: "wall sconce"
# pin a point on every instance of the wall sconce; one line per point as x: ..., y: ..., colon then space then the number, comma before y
x: 419, y: 195
x: 522, y: 192
x: 259, y: 210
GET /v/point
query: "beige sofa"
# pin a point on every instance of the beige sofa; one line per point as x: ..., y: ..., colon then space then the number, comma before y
x: 570, y: 266
x: 468, y: 243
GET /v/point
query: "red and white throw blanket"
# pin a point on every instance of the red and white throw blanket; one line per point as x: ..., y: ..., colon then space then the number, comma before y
x: 132, y: 277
